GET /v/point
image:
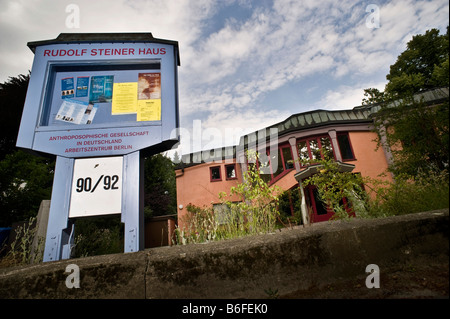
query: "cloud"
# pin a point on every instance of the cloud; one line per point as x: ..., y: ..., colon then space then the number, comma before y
x: 239, y: 64
x: 345, y: 97
x: 228, y: 69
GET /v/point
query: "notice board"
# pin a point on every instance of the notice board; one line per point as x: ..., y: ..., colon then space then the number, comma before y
x: 101, y: 95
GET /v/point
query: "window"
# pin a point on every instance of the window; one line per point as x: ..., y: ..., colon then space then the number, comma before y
x: 276, y: 164
x: 327, y: 148
x: 315, y: 149
x: 273, y: 165
x: 230, y: 171
x: 280, y: 162
x: 287, y: 157
x: 215, y: 173
x: 222, y: 213
x: 345, y: 147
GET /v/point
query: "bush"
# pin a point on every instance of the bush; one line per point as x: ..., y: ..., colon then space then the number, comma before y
x: 21, y: 250
x: 256, y: 212
x: 409, y: 195
x: 98, y: 236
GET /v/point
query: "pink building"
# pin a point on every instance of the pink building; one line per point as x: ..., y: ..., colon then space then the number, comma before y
x: 345, y: 135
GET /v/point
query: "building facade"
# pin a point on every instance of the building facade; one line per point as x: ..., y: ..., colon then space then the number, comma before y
x: 347, y: 136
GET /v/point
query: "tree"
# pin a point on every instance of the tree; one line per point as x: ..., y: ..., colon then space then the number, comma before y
x: 12, y: 99
x: 418, y: 138
x: 416, y: 133
x: 176, y: 158
x: 159, y: 186
x: 25, y: 179
x: 421, y: 65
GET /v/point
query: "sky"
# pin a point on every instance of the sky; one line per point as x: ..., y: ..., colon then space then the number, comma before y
x: 245, y: 64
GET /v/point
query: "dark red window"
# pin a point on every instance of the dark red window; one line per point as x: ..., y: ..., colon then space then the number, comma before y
x: 215, y: 173
x: 230, y: 171
x: 345, y: 147
x: 316, y: 148
x: 278, y: 163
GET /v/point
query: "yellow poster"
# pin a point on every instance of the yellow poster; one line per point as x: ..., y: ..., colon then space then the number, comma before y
x: 149, y: 110
x: 124, y: 99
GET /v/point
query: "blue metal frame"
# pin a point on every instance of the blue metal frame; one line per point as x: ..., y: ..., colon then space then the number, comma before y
x: 133, y: 202
x: 39, y: 134
x: 59, y: 226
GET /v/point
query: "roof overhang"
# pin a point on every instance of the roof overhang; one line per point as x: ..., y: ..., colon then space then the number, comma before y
x: 313, y: 169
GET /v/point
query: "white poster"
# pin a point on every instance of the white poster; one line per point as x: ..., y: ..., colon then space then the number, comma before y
x: 76, y: 112
x: 96, y: 187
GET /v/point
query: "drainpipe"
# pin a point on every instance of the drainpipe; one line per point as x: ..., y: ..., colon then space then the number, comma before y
x: 303, y: 207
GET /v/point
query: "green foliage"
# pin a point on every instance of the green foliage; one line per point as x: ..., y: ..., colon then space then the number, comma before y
x: 418, y: 136
x: 21, y: 249
x: 98, y: 236
x: 200, y: 226
x: 440, y: 75
x: 160, y: 197
x: 415, y: 68
x: 258, y: 204
x: 416, y: 133
x: 12, y: 99
x: 333, y: 185
x: 408, y: 194
x: 256, y: 212
x: 25, y: 180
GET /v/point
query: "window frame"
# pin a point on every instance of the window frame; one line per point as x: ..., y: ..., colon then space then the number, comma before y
x: 350, y: 146
x: 285, y: 170
x: 317, y: 138
x: 211, y: 179
x: 226, y: 172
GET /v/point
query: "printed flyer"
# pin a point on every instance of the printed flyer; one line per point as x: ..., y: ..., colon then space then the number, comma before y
x: 124, y: 100
x: 67, y: 88
x: 101, y: 89
x: 149, y: 110
x: 149, y: 86
x: 82, y: 86
x: 76, y: 112
x: 149, y: 97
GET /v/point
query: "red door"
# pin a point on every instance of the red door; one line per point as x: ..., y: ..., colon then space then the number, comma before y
x: 320, y: 212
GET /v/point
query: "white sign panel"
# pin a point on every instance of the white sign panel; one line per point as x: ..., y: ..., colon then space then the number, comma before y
x: 96, y: 187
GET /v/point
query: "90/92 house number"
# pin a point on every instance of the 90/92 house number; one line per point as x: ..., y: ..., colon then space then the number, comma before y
x: 96, y: 187
x: 109, y: 183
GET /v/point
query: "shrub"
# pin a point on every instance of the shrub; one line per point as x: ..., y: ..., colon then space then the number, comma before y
x: 256, y: 212
x: 409, y: 195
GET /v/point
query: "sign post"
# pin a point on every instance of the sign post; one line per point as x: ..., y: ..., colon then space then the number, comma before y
x: 99, y: 102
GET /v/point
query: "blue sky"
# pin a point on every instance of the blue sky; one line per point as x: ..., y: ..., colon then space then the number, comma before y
x: 244, y: 64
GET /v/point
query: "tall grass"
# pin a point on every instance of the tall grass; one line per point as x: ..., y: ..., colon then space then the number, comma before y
x: 408, y: 195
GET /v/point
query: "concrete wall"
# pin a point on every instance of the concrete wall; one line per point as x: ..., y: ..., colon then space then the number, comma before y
x: 287, y: 261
